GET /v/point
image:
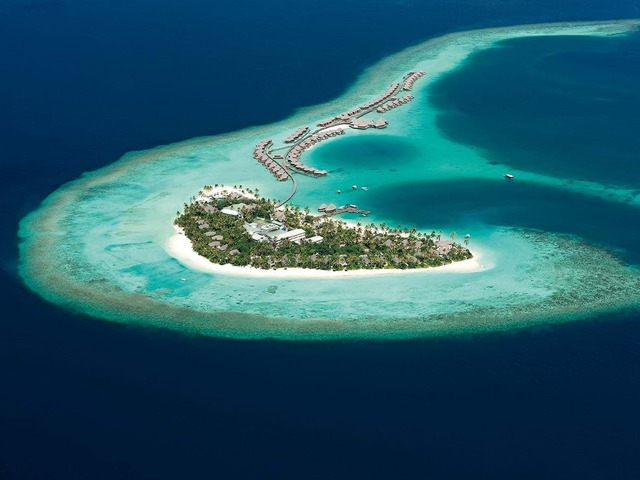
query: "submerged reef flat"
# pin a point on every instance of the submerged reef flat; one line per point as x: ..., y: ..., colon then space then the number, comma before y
x: 101, y: 245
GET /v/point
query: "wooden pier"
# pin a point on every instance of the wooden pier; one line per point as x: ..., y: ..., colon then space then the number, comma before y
x: 331, y: 210
x: 285, y: 165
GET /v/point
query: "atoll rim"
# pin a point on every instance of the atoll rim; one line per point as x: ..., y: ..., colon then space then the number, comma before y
x: 101, y: 245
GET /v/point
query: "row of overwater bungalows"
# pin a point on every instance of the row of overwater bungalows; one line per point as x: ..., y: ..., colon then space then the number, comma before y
x: 261, y: 153
x: 411, y: 79
x: 394, y: 103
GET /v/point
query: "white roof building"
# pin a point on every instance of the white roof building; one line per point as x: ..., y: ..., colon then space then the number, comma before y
x: 294, y: 235
x: 230, y: 211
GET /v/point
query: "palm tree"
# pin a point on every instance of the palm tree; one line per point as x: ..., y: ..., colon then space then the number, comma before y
x: 453, y: 236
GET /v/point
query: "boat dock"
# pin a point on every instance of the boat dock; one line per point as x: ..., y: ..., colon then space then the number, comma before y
x: 331, y: 210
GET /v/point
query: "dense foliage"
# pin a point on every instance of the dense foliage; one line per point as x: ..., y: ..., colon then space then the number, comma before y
x: 343, y: 247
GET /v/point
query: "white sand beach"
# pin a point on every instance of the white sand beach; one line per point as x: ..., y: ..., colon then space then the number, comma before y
x: 103, y: 246
x: 179, y: 247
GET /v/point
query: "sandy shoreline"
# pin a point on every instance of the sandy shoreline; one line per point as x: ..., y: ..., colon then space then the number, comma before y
x: 180, y: 248
x: 121, y: 237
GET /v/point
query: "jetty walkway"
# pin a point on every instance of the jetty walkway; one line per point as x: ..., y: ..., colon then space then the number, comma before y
x: 281, y: 165
x: 294, y: 188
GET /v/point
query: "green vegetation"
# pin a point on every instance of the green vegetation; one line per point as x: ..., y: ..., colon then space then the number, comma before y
x: 226, y: 239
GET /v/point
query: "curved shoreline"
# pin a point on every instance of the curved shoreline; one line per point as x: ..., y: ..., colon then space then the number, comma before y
x: 59, y: 261
x: 179, y: 246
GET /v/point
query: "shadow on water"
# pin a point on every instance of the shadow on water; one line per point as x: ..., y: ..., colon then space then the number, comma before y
x: 459, y: 204
x: 366, y: 151
x: 564, y: 106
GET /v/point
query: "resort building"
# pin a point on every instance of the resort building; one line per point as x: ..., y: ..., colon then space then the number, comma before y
x: 295, y: 235
x: 443, y: 247
x: 330, y: 208
x: 230, y: 211
x: 408, y: 82
x: 262, y: 153
x: 296, y: 135
x: 234, y: 209
x: 284, y: 166
x: 394, y: 103
x: 362, y: 124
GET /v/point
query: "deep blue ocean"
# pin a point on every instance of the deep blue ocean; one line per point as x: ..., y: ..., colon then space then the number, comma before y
x: 83, y: 82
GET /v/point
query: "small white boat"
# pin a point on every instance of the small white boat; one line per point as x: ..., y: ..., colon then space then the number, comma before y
x: 339, y: 192
x: 508, y: 176
x: 355, y: 187
x: 365, y: 188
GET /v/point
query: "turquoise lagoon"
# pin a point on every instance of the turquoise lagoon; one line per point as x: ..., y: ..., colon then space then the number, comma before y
x: 552, y: 243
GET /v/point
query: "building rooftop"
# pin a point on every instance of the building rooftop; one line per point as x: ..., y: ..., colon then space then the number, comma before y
x: 230, y: 211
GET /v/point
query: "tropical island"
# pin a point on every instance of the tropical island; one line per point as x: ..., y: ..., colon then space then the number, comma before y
x: 283, y: 166
x: 106, y: 243
x: 237, y: 227
x: 233, y: 226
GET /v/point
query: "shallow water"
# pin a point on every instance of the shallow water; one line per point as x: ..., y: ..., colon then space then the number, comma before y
x: 83, y: 398
x: 563, y: 106
x: 113, y: 259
